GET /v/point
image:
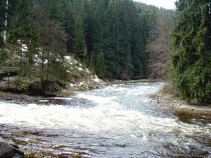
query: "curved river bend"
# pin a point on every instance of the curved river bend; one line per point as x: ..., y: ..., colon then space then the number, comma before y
x: 119, y: 120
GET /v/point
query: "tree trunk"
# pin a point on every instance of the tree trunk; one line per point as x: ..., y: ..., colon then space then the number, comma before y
x: 5, y: 27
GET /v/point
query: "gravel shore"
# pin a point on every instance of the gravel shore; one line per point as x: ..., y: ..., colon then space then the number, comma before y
x: 174, y: 104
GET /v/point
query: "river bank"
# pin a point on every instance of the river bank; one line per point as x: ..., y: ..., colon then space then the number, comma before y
x: 169, y: 102
x: 26, y: 94
x: 9, y: 96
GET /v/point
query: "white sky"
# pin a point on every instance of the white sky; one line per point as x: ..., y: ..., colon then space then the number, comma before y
x: 168, y: 4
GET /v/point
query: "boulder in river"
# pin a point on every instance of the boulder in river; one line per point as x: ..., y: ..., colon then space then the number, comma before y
x: 9, y: 150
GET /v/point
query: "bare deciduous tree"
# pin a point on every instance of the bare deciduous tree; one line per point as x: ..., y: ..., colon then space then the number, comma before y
x: 159, y: 47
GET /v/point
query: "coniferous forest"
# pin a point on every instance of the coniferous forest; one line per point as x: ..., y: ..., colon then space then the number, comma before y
x: 116, y: 39
x: 108, y: 36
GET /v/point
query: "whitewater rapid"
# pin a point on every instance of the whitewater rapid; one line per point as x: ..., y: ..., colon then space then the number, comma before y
x: 115, y: 121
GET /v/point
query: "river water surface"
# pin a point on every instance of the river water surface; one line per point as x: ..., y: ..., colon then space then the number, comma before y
x: 119, y: 120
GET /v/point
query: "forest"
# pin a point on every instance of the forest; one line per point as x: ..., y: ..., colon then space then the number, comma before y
x: 116, y: 39
x: 110, y: 37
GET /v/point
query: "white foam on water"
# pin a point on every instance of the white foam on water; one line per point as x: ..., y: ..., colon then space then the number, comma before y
x: 107, y: 116
x: 42, y: 101
x: 63, y: 98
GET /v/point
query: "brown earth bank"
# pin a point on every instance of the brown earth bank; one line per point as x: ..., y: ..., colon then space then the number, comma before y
x: 8, y: 96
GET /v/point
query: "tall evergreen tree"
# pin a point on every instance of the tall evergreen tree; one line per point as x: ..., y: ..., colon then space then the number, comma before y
x: 24, y: 33
x: 52, y: 45
x: 35, y: 28
x: 78, y: 40
x: 191, y: 58
x: 100, y: 65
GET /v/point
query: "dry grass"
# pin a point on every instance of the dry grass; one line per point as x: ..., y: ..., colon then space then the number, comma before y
x: 169, y: 90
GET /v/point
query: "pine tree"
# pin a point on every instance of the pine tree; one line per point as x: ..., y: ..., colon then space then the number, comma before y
x: 100, y: 65
x: 24, y: 33
x: 191, y: 58
x: 45, y: 42
x: 78, y: 38
x: 52, y: 45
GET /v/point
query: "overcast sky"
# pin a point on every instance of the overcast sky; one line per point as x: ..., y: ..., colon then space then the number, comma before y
x: 168, y: 4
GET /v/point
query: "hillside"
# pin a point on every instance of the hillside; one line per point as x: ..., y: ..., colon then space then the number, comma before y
x: 109, y: 37
x: 120, y: 40
x: 80, y: 78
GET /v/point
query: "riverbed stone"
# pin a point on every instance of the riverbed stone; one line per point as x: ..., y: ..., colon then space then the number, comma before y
x: 9, y: 151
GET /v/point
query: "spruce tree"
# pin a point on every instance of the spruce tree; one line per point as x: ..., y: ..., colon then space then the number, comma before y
x: 100, y: 65
x: 45, y: 42
x: 24, y: 33
x: 50, y: 58
x: 191, y: 57
x: 78, y: 38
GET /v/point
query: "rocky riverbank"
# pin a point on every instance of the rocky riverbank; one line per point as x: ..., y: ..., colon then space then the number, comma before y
x: 9, y: 96
x: 25, y: 94
x: 167, y: 101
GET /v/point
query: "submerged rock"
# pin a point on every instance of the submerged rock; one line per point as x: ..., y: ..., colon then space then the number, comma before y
x: 9, y: 150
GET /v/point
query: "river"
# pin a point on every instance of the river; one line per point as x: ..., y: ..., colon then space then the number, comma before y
x: 118, y: 120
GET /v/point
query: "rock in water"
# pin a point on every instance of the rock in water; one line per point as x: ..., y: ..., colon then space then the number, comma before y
x: 9, y: 151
